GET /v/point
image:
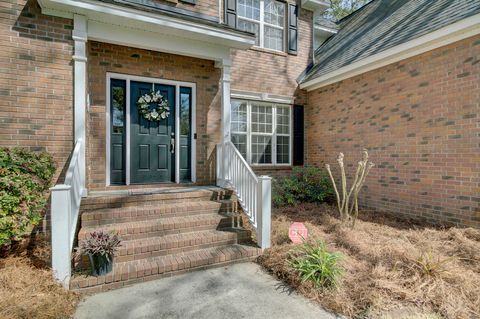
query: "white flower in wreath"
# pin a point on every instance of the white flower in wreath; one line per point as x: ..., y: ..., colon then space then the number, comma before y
x: 159, y: 112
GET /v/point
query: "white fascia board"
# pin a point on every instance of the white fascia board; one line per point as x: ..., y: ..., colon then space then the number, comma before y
x: 324, y: 30
x: 317, y: 6
x: 257, y: 96
x: 108, y: 33
x: 455, y: 32
x: 132, y: 18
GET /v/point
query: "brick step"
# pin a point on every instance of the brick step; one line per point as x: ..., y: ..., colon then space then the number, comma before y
x: 101, y: 200
x: 126, y: 214
x: 177, y: 243
x: 130, y: 272
x: 162, y: 226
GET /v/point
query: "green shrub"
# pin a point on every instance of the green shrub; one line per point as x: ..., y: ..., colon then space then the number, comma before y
x: 315, y: 263
x: 24, y: 178
x: 305, y: 184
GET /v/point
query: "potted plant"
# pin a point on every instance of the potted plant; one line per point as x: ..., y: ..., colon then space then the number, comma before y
x: 100, y: 247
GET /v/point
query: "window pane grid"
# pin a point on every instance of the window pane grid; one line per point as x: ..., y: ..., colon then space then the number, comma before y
x: 264, y: 18
x: 274, y: 12
x: 261, y: 149
x: 240, y: 142
x: 264, y: 134
x: 239, y: 117
x: 262, y: 119
x: 250, y: 26
x: 249, y: 9
x: 283, y: 149
x: 283, y: 120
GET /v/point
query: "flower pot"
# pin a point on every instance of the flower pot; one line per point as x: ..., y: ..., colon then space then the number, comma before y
x: 101, y: 264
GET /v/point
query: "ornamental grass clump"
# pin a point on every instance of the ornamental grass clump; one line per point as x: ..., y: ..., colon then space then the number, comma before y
x: 100, y: 247
x: 99, y: 243
x: 314, y: 263
x: 348, y: 202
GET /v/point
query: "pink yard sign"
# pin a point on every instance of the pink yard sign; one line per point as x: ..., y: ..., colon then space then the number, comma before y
x: 297, y: 233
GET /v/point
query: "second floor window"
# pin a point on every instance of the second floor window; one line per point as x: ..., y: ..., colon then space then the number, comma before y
x: 265, y: 18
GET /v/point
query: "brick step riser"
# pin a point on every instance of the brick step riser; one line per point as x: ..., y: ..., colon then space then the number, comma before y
x: 224, y: 223
x: 115, y: 284
x: 90, y: 204
x: 99, y: 219
x: 184, y: 249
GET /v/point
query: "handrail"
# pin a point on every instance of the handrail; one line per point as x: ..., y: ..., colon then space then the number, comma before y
x: 253, y: 193
x: 240, y: 157
x: 65, y: 207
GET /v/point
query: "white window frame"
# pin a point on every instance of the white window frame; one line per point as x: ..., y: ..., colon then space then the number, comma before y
x: 274, y: 133
x: 262, y: 24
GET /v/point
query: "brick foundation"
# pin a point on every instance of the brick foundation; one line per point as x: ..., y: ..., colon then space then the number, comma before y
x: 419, y: 118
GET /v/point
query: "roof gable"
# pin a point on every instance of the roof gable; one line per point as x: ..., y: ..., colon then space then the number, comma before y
x: 383, y: 24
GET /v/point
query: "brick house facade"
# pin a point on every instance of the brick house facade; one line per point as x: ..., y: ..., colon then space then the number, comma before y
x: 418, y: 116
x: 419, y: 119
x: 36, y: 109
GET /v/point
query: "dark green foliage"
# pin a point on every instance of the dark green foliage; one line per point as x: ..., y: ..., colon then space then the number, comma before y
x: 342, y: 8
x: 24, y: 178
x: 315, y: 263
x: 306, y: 184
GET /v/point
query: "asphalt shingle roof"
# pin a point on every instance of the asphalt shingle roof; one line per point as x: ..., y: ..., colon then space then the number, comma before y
x: 383, y: 24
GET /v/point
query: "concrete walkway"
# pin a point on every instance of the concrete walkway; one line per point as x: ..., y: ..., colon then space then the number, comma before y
x: 237, y: 291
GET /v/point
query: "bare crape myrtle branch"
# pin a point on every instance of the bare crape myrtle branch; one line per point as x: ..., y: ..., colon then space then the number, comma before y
x: 348, y: 201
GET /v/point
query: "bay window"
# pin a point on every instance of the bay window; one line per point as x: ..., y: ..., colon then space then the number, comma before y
x: 262, y: 131
x: 265, y: 18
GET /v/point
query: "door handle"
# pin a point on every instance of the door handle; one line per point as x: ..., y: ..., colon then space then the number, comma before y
x: 172, y: 144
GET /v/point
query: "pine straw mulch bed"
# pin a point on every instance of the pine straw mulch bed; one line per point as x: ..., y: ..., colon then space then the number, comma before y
x: 27, y: 288
x: 382, y: 261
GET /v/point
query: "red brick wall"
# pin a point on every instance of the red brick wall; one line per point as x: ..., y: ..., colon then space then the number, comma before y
x: 267, y: 71
x: 35, y: 80
x: 419, y: 118
x: 103, y: 58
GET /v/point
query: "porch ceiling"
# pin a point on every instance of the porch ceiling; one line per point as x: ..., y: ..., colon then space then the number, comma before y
x: 160, y: 31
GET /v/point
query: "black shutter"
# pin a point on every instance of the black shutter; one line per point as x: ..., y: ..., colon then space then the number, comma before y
x: 298, y: 132
x: 292, y: 29
x: 231, y: 13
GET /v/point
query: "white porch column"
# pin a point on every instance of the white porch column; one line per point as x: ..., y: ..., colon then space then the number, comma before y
x: 225, y: 112
x: 79, y: 36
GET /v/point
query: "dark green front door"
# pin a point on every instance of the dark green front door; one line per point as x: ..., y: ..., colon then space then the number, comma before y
x: 152, y: 155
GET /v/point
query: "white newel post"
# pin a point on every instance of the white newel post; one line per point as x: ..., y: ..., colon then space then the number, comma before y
x: 61, y: 250
x: 225, y: 113
x: 264, y: 208
x: 79, y: 35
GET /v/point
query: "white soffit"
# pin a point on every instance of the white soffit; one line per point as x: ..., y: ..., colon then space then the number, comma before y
x: 104, y: 17
x: 315, y: 5
x: 452, y: 33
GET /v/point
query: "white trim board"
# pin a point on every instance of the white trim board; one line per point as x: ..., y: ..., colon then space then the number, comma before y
x: 455, y: 32
x: 115, y: 24
x: 177, y: 84
x: 257, y: 96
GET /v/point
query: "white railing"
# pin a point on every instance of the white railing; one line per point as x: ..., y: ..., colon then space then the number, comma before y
x: 65, y: 207
x: 254, y: 193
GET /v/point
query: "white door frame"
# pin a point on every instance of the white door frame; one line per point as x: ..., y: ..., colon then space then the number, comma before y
x: 193, y: 123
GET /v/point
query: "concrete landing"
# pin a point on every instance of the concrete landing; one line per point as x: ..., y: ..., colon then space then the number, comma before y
x: 237, y: 291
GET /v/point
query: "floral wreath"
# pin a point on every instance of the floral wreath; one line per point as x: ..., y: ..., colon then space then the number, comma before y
x: 159, y: 112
